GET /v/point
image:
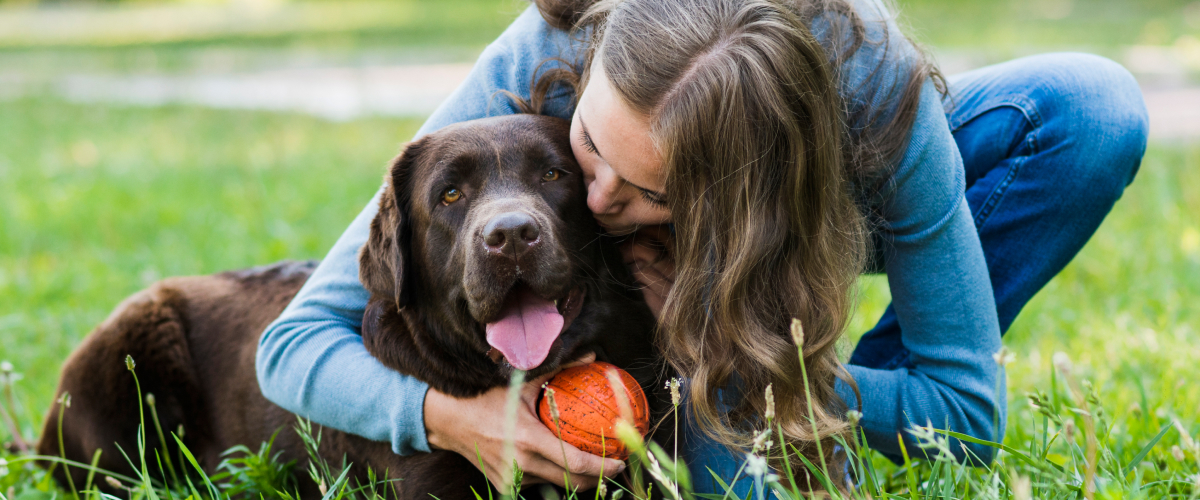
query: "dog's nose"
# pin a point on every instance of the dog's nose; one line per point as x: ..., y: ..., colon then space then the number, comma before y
x: 511, y: 233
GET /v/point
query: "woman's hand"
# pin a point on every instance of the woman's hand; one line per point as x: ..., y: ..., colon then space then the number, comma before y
x: 647, y: 253
x: 466, y: 426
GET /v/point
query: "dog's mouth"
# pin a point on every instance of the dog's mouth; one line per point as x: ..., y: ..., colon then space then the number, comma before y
x: 528, y: 325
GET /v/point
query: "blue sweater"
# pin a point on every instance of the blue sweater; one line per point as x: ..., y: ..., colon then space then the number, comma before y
x: 311, y: 360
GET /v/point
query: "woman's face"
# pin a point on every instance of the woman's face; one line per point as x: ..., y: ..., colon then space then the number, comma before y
x: 621, y: 167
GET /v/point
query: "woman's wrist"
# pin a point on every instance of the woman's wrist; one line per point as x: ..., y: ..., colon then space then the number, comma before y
x: 435, y: 417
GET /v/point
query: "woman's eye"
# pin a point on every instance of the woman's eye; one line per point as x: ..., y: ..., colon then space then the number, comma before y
x: 551, y: 175
x: 451, y: 195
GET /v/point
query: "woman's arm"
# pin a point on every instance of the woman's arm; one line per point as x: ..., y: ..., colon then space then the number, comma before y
x: 942, y: 297
x: 941, y: 291
x: 311, y: 360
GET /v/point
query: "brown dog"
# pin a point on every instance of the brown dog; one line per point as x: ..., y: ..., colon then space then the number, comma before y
x: 483, y: 258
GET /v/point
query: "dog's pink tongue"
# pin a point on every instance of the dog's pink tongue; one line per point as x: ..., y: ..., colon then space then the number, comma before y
x: 526, y: 329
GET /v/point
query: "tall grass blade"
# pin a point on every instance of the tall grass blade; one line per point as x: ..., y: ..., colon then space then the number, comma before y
x: 87, y: 486
x: 72, y: 463
x: 1013, y: 451
x: 822, y: 479
x: 909, y: 474
x: 150, y: 399
x: 212, y: 489
x: 1137, y: 459
x: 64, y: 402
x: 511, y: 405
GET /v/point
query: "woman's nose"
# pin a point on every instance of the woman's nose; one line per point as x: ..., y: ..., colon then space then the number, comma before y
x: 603, y: 191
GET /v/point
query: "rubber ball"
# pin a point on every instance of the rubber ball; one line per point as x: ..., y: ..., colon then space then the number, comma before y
x: 589, y: 410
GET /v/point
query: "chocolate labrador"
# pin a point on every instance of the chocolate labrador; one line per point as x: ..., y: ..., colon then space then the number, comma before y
x: 483, y: 259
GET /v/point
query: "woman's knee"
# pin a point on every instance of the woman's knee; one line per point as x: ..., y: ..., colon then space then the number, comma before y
x: 1093, y: 106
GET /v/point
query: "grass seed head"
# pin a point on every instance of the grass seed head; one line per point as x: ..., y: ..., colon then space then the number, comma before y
x: 854, y: 417
x: 150, y: 400
x: 129, y: 364
x: 1022, y: 488
x: 518, y: 477
x: 6, y: 367
x: 112, y: 481
x: 1069, y: 429
x: 1177, y: 452
x: 1004, y: 357
x: 762, y: 441
x: 673, y: 385
x: 602, y: 489
x: 618, y: 494
x: 179, y: 431
x: 553, y: 404
x: 1062, y: 362
x: 1185, y: 438
x: 797, y: 332
x: 770, y: 399
x: 756, y: 466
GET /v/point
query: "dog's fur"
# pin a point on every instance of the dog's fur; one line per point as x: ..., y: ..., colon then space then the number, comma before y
x: 433, y: 281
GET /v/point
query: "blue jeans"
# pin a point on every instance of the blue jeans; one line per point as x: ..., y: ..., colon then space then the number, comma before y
x: 1044, y: 165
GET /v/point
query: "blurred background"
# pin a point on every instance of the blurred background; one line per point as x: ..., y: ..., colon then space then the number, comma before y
x: 144, y: 139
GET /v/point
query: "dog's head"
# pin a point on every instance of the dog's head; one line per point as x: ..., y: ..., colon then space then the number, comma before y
x: 483, y: 248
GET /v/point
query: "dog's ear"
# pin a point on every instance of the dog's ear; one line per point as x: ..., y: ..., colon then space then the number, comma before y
x: 383, y: 262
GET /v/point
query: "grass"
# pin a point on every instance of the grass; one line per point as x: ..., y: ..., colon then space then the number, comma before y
x: 173, y: 25
x: 208, y: 37
x: 98, y: 201
x: 1011, y: 27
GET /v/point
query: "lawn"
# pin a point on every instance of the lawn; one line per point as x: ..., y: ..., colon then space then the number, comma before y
x: 98, y: 201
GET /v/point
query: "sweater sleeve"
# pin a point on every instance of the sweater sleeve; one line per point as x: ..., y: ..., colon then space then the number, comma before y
x: 311, y: 360
x: 941, y: 291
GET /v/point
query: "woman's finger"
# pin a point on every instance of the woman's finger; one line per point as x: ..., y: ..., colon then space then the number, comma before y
x: 654, y: 279
x: 546, y: 471
x: 577, y: 461
x: 643, y: 253
x: 540, y: 454
x: 584, y: 360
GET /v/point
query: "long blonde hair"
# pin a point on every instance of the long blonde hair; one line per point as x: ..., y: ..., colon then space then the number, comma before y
x: 766, y: 171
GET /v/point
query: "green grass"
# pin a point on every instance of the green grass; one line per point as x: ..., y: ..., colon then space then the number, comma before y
x: 305, y: 33
x: 97, y: 202
x: 1008, y: 27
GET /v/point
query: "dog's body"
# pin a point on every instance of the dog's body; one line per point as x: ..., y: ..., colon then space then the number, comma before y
x: 482, y: 226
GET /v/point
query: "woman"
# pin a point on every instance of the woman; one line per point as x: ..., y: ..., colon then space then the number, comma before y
x: 778, y: 138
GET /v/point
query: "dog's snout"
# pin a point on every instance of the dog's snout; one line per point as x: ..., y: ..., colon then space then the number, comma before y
x: 511, y: 233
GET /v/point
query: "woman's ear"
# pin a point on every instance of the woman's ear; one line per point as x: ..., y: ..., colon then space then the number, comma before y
x: 383, y: 262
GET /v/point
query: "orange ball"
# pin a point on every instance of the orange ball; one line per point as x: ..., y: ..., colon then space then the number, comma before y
x: 588, y: 408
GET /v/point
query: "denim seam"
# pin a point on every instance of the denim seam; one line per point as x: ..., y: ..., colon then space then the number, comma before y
x: 1020, y: 102
x: 997, y: 193
x: 1030, y: 112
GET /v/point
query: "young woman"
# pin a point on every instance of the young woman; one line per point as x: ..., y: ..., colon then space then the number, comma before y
x: 791, y: 145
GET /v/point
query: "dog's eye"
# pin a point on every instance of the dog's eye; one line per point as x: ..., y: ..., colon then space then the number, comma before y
x: 451, y: 195
x: 552, y: 175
